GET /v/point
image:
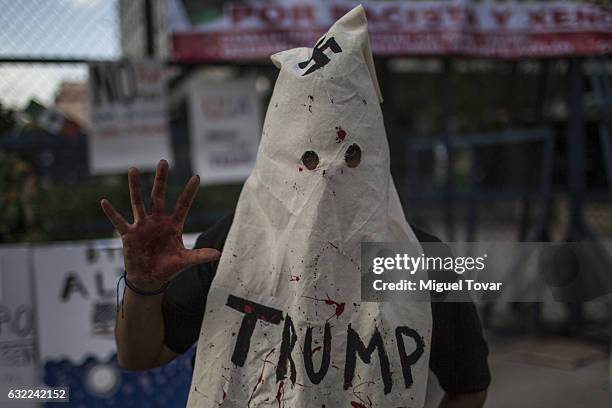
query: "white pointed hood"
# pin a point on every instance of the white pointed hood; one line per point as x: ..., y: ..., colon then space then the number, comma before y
x: 284, y: 324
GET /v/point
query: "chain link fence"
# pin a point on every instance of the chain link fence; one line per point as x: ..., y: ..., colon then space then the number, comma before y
x: 38, y: 31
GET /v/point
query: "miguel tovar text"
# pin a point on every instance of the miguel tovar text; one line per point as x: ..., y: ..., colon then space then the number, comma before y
x: 433, y: 285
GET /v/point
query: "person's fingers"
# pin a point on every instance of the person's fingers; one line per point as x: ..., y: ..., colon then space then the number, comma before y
x: 118, y: 221
x: 158, y: 193
x: 138, y: 209
x: 185, y: 200
x: 201, y: 255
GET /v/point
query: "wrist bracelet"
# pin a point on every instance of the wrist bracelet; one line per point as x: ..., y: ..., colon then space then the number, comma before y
x: 142, y: 292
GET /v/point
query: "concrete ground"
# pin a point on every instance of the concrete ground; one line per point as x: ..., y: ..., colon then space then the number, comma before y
x: 518, y: 384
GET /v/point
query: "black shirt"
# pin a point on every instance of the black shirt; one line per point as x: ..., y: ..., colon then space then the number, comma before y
x: 458, y: 350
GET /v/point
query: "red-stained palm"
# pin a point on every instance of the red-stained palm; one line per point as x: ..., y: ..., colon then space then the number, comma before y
x: 153, y: 245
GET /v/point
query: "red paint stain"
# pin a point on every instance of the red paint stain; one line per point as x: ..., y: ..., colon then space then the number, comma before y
x: 314, y: 350
x: 356, y: 404
x: 340, y: 134
x: 260, y: 380
x: 280, y: 393
x: 339, y: 307
x: 248, y: 308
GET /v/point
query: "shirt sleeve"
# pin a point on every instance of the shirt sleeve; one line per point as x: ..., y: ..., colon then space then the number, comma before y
x: 184, y: 301
x: 458, y: 349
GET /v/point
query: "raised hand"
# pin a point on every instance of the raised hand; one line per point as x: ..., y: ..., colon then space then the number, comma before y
x: 153, y: 245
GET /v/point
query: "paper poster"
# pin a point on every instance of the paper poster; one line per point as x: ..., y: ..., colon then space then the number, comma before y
x: 129, y: 120
x: 76, y: 283
x: 18, y: 363
x: 225, y: 125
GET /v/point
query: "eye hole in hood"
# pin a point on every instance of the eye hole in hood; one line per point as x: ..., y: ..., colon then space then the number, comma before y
x: 310, y: 160
x: 353, y: 156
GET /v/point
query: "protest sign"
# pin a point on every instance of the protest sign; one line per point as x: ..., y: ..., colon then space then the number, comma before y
x: 225, y: 127
x: 129, y: 122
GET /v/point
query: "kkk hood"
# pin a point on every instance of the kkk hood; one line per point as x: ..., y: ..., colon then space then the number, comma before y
x: 284, y: 324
